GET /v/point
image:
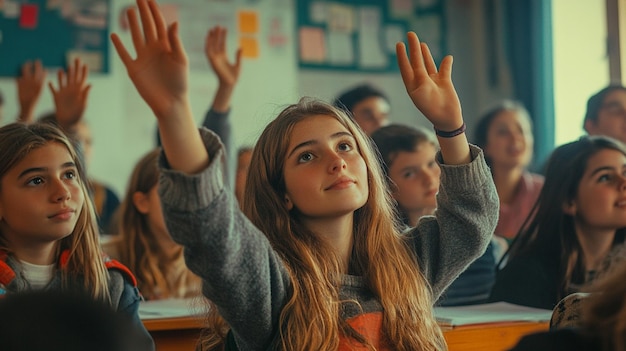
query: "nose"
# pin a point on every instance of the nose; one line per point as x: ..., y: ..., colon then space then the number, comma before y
x: 429, y: 178
x: 60, y: 191
x: 337, y: 163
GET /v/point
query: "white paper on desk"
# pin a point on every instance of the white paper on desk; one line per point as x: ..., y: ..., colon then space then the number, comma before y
x: 169, y: 308
x: 490, y: 313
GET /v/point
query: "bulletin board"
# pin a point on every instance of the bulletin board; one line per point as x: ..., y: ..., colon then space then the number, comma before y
x: 55, y: 32
x: 360, y: 35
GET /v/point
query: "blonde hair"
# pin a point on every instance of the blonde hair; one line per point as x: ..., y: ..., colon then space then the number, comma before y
x: 137, y: 246
x: 84, y: 259
x: 311, y: 318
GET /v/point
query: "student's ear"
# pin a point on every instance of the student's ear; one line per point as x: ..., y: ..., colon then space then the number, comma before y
x: 569, y: 207
x: 590, y: 127
x: 288, y: 203
x: 140, y: 200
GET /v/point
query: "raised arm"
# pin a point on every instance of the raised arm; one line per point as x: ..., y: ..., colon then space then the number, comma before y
x: 227, y: 72
x: 70, y: 98
x: 433, y: 93
x: 29, y: 88
x: 160, y: 74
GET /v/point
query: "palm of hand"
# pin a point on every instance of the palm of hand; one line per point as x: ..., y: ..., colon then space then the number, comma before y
x: 160, y: 77
x: 226, y: 72
x: 436, y: 98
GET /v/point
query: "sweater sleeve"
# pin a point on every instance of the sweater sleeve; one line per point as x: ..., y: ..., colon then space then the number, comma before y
x: 219, y: 123
x: 241, y: 272
x: 463, y: 224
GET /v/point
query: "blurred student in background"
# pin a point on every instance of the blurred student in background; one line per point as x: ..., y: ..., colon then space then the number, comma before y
x: 606, y: 113
x: 505, y: 135
x: 145, y: 245
x: 367, y: 105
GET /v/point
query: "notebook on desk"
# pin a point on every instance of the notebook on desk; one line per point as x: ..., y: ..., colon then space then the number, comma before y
x: 497, y: 312
x: 171, y: 308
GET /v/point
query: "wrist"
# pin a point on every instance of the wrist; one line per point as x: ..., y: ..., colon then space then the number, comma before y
x: 450, y: 133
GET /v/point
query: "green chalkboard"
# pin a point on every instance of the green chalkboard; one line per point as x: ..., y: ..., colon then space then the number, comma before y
x: 54, y: 31
x: 360, y: 35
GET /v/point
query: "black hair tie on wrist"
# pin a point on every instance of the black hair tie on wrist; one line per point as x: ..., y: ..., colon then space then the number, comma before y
x: 451, y: 134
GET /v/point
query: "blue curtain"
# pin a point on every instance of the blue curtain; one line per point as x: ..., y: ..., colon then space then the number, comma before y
x: 528, y: 26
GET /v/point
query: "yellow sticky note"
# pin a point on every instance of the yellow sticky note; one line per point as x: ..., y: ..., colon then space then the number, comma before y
x: 249, y: 47
x: 248, y: 22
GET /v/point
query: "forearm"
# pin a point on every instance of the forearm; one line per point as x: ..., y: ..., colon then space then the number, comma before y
x: 181, y: 141
x: 223, y: 95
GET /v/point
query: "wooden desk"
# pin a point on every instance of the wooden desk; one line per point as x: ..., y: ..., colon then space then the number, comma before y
x: 181, y: 334
x: 491, y: 336
x: 175, y: 334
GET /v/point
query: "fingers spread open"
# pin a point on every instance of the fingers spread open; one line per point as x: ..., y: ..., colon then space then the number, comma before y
x: 175, y: 42
x: 135, y: 30
x: 159, y: 22
x: 121, y: 50
x: 429, y: 62
x: 147, y: 21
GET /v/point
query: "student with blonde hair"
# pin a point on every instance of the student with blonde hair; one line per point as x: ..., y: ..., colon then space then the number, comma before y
x: 49, y: 239
x: 145, y: 245
x: 316, y: 261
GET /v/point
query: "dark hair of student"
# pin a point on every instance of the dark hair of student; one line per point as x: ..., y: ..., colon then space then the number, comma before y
x: 551, y: 233
x: 396, y: 138
x: 594, y: 103
x: 45, y: 320
x: 349, y: 98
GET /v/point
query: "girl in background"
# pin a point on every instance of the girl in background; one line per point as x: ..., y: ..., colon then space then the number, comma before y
x: 145, y: 245
x: 317, y: 262
x: 49, y: 237
x: 505, y: 135
x: 577, y: 229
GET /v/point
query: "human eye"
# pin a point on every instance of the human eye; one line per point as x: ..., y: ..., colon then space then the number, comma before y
x: 35, y: 181
x: 345, y: 146
x: 604, y: 178
x: 305, y: 157
x: 408, y: 174
x: 70, y: 174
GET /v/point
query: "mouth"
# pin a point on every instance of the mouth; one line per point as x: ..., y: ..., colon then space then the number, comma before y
x: 621, y: 203
x: 341, y: 183
x: 63, y: 214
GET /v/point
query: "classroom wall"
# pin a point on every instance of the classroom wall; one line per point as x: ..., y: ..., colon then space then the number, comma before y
x: 124, y: 128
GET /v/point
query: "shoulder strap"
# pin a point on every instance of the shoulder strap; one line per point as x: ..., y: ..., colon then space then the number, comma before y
x: 110, y: 263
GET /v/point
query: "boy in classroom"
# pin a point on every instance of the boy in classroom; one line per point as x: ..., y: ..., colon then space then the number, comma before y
x: 410, y: 164
x: 318, y: 231
x: 368, y: 105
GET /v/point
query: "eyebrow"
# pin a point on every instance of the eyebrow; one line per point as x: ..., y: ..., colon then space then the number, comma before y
x: 43, y: 169
x: 604, y: 168
x: 313, y: 142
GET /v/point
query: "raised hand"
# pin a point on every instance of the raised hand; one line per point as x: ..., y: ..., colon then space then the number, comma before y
x: 160, y: 70
x: 29, y: 88
x: 430, y: 89
x: 215, y: 50
x: 160, y: 73
x: 432, y: 93
x: 70, y: 98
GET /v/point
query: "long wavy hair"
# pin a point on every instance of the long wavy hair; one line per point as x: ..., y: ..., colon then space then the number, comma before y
x: 84, y: 260
x: 311, y: 318
x: 138, y: 249
x: 550, y: 233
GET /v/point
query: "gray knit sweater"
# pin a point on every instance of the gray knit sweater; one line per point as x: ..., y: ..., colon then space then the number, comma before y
x: 246, y: 278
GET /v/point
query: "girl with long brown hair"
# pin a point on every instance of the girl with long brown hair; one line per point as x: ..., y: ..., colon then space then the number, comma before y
x: 49, y: 238
x: 317, y: 260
